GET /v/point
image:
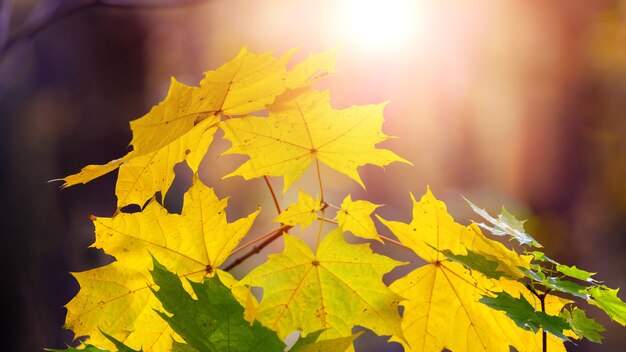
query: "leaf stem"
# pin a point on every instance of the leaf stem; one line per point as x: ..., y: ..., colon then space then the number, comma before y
x: 262, y: 237
x: 319, y: 232
x: 319, y: 179
x: 269, y: 186
x: 256, y: 249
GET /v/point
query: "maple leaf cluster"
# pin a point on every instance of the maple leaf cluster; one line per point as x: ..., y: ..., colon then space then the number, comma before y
x: 457, y: 300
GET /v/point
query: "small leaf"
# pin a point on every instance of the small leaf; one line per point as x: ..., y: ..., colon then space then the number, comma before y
x: 566, y: 286
x: 606, y: 298
x: 555, y: 283
x: 475, y: 261
x: 505, y: 224
x: 355, y: 216
x: 582, y: 326
x: 302, y: 213
x: 214, y: 321
x: 540, y: 256
x: 576, y: 273
x: 524, y: 314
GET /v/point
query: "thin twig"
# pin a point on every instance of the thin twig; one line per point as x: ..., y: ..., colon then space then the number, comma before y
x: 397, y: 243
x: 262, y: 237
x: 269, y: 185
x: 319, y: 231
x: 319, y: 178
x: 257, y: 249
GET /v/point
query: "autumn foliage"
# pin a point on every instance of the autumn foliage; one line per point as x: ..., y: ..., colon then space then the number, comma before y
x: 167, y: 289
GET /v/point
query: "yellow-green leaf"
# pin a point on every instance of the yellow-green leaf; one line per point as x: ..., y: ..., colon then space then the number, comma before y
x: 193, y: 244
x: 336, y: 288
x: 355, y: 216
x: 302, y: 213
x: 303, y: 127
x: 441, y: 306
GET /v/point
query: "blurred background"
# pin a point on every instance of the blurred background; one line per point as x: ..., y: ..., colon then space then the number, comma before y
x: 516, y: 103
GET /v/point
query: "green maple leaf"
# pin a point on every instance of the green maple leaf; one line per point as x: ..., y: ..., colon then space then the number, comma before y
x: 476, y: 261
x: 524, y: 314
x: 606, y: 299
x: 214, y: 320
x: 583, y: 326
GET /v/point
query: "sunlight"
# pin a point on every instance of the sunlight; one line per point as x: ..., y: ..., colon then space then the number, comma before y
x: 379, y: 25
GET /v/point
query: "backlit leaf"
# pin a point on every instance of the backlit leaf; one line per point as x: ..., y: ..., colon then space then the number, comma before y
x: 303, y: 127
x: 573, y: 271
x: 336, y: 288
x: 505, y: 224
x: 441, y: 307
x: 606, y: 299
x: 116, y: 298
x: 181, y: 127
x: 302, y: 213
x: 582, y: 326
x: 355, y: 216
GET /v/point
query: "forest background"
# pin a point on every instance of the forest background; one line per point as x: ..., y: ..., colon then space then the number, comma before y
x: 519, y: 103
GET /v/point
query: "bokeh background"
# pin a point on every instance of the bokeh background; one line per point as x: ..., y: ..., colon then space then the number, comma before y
x: 517, y: 103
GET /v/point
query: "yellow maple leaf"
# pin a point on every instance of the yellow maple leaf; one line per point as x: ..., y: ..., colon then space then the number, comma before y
x: 316, y: 66
x: 303, y: 127
x: 441, y: 306
x: 302, y: 213
x: 181, y: 127
x: 336, y: 288
x: 355, y: 216
x: 192, y: 244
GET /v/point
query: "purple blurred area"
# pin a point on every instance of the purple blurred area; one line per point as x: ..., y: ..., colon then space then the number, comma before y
x: 520, y: 103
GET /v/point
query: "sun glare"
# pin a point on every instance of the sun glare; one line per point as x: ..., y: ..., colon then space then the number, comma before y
x: 379, y: 25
